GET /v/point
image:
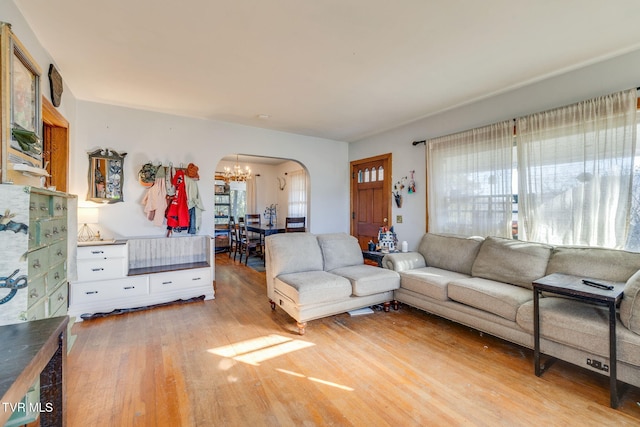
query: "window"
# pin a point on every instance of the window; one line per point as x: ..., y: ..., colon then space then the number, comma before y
x: 572, y: 178
x: 238, y: 195
x: 297, y: 194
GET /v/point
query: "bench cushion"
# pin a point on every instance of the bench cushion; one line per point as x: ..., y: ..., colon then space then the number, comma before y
x: 313, y: 287
x: 429, y: 281
x: 494, y: 297
x: 369, y: 280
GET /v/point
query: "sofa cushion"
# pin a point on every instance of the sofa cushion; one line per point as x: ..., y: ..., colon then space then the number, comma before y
x: 312, y: 287
x: 511, y: 261
x: 598, y: 263
x: 494, y: 297
x: 339, y: 250
x: 630, y: 304
x: 449, y: 252
x: 293, y: 252
x: 580, y: 325
x: 429, y: 281
x: 369, y: 280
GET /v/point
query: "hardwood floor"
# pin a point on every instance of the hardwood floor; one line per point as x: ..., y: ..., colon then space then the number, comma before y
x: 234, y: 362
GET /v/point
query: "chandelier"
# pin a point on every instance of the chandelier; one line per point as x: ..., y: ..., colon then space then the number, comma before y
x: 237, y: 173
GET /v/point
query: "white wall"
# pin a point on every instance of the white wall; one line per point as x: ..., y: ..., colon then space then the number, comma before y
x: 149, y: 136
x: 598, y: 79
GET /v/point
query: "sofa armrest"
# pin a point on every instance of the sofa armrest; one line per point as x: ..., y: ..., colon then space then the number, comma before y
x: 403, y: 261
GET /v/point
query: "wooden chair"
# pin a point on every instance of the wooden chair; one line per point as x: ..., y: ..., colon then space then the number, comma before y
x: 295, y: 224
x: 233, y: 237
x: 247, y: 243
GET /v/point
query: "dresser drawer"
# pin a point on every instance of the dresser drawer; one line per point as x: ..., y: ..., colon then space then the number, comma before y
x: 57, y: 274
x: 58, y: 298
x: 38, y: 261
x: 102, y: 251
x: 58, y: 229
x: 58, y: 252
x: 101, y: 269
x: 184, y: 279
x: 83, y: 293
x: 39, y: 206
x: 37, y: 289
x: 37, y: 311
x: 58, y: 206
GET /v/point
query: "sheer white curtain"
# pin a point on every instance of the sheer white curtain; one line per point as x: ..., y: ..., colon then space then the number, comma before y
x: 297, y: 193
x: 252, y: 204
x: 469, y: 180
x: 575, y: 172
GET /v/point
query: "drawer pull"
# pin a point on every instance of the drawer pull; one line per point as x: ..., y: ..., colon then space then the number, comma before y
x: 55, y: 230
x: 63, y: 228
x: 44, y: 208
x: 91, y: 292
x: 56, y: 276
x: 97, y: 252
x: 167, y: 283
x: 129, y: 287
x: 197, y: 278
x: 59, y: 253
x: 47, y: 235
x: 36, y: 264
x: 60, y: 297
x: 97, y: 269
x: 33, y: 294
x: 32, y: 208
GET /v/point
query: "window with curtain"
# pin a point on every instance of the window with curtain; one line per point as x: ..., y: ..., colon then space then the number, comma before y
x: 297, y: 194
x: 470, y: 181
x: 576, y: 172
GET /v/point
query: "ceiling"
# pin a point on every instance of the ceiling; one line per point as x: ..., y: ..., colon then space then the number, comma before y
x: 337, y: 69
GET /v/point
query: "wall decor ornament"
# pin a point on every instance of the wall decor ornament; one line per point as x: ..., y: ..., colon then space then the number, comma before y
x: 55, y: 80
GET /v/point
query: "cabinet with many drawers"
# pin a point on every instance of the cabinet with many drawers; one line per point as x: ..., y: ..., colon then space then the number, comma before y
x: 34, y: 226
x: 140, y: 273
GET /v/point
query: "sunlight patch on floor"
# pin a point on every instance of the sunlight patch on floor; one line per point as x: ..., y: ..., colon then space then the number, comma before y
x: 317, y: 380
x: 260, y: 349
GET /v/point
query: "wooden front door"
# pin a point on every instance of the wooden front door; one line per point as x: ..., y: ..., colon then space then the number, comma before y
x: 370, y: 197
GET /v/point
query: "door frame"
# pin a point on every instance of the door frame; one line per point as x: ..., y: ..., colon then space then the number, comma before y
x: 55, y: 138
x: 387, y: 159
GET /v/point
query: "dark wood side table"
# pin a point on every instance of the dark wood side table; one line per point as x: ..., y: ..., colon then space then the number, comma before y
x: 374, y: 256
x: 572, y: 286
x: 32, y: 350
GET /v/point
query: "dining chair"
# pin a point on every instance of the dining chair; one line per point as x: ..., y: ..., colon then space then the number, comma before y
x: 295, y: 224
x: 233, y: 236
x: 248, y: 244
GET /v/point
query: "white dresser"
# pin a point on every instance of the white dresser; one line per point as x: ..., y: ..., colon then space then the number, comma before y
x: 140, y: 273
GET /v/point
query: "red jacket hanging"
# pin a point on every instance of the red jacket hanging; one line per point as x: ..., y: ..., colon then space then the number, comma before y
x: 178, y: 211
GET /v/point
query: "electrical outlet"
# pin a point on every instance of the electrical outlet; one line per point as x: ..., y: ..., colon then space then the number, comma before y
x: 398, y: 219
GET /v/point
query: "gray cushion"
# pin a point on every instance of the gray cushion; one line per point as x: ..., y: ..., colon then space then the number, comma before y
x: 511, y: 261
x: 293, y: 252
x: 597, y: 263
x: 630, y: 304
x: 369, y: 280
x: 339, y: 250
x: 580, y: 325
x: 313, y: 287
x: 448, y: 252
x: 429, y: 281
x: 494, y: 297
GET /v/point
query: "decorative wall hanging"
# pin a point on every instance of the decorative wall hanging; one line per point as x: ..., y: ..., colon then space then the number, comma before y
x: 55, y: 80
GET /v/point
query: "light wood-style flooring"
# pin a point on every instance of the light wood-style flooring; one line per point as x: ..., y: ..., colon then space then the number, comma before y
x: 234, y: 362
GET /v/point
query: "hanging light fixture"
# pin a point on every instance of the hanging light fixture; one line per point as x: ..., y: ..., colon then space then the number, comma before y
x: 237, y: 173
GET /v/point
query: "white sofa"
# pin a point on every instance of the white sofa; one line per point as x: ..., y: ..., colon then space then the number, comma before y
x: 486, y: 283
x: 312, y: 276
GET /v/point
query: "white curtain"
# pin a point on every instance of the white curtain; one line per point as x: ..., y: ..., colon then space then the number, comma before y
x: 469, y: 180
x: 575, y: 172
x: 252, y: 204
x: 297, y: 194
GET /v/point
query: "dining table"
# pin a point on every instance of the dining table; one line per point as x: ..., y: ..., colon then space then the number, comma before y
x: 266, y: 230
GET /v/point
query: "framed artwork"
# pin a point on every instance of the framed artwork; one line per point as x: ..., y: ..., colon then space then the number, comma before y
x: 25, y: 105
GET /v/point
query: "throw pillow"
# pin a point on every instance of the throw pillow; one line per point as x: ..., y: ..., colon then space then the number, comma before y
x: 630, y: 304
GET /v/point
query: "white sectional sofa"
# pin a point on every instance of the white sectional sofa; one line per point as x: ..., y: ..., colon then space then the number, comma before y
x: 486, y: 283
x: 312, y: 276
